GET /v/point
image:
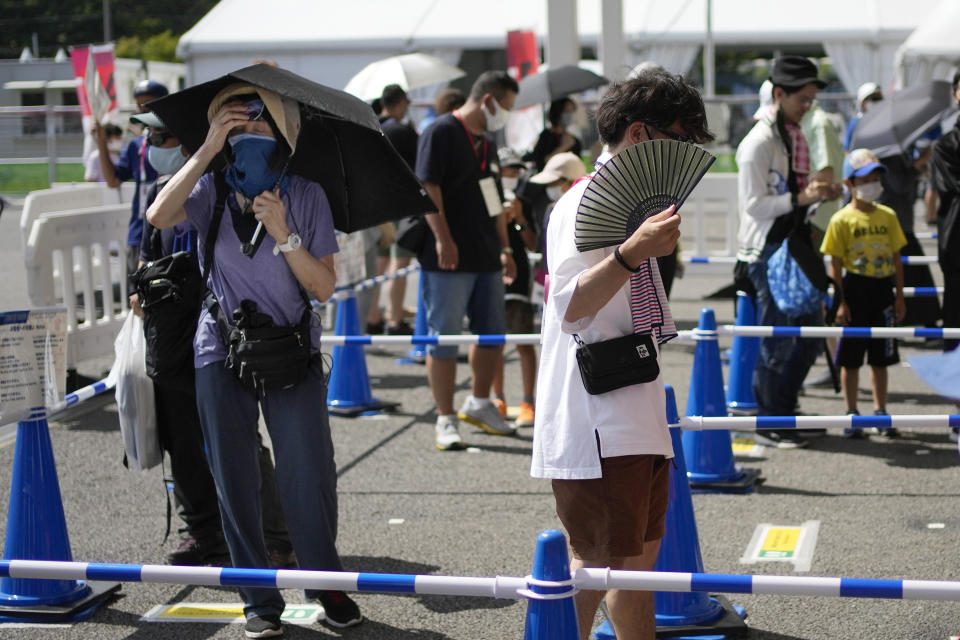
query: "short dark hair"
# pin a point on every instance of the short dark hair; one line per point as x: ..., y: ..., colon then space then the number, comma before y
x: 557, y: 107
x: 956, y: 80
x: 111, y: 130
x: 448, y: 100
x: 495, y: 82
x: 656, y: 97
x: 789, y: 90
x: 393, y: 94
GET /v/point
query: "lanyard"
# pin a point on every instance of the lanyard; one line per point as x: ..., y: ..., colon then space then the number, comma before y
x: 473, y: 144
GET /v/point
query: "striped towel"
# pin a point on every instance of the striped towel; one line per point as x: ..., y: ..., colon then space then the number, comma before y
x: 649, y: 308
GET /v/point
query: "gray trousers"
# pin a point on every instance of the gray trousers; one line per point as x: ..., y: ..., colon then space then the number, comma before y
x: 297, y: 421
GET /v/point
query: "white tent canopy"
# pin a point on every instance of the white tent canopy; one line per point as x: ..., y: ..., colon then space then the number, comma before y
x: 331, y: 41
x: 932, y: 52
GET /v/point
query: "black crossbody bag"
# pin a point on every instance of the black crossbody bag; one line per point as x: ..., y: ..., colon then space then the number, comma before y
x: 618, y: 362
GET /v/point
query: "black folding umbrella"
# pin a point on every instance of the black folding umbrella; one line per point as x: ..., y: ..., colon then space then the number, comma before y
x: 340, y: 145
x: 897, y: 121
x: 553, y: 84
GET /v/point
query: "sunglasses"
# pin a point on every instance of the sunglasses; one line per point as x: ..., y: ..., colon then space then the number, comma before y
x: 254, y: 109
x: 670, y: 134
x: 157, y: 138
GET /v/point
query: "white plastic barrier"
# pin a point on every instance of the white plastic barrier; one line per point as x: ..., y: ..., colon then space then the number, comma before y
x: 714, y: 202
x: 67, y: 197
x: 69, y: 253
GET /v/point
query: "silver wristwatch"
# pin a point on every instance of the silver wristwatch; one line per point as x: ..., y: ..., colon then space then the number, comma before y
x: 292, y: 244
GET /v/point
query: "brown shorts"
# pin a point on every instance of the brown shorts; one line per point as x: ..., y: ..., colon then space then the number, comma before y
x: 612, y: 516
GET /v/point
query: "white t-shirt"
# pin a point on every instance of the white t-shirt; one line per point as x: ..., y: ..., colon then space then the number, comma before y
x: 574, y: 429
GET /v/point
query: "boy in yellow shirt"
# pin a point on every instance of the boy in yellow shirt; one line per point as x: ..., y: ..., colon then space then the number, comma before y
x: 864, y: 240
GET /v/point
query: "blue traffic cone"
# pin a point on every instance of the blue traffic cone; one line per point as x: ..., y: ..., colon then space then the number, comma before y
x: 348, y: 392
x: 682, y: 614
x: 710, y: 453
x: 743, y: 360
x: 37, y: 530
x: 418, y: 352
x: 553, y: 618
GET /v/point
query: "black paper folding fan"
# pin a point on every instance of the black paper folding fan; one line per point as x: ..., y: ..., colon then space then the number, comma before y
x: 640, y: 181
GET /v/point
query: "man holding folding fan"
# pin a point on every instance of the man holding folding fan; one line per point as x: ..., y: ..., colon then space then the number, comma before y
x: 775, y: 195
x: 607, y: 452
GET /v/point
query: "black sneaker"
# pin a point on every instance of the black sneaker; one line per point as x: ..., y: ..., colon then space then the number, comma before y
x: 375, y: 328
x: 281, y: 558
x: 853, y: 433
x: 780, y: 438
x: 887, y: 432
x: 265, y: 626
x: 399, y: 329
x: 339, y: 610
x: 194, y: 553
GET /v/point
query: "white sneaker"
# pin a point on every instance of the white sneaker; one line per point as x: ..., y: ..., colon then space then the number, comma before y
x: 486, y: 416
x: 447, y: 433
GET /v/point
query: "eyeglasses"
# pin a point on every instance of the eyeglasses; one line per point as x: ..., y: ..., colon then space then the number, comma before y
x: 670, y: 134
x: 157, y: 138
x: 254, y: 109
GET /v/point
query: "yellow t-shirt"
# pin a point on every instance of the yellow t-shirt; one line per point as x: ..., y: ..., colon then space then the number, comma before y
x: 865, y: 241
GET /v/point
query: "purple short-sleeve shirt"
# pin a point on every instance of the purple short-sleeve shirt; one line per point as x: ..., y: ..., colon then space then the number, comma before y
x: 265, y: 278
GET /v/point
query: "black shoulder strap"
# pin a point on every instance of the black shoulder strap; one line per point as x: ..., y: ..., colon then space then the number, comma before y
x: 209, y: 245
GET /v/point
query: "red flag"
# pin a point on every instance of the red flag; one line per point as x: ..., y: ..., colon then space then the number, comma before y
x: 93, y: 68
x: 523, y: 57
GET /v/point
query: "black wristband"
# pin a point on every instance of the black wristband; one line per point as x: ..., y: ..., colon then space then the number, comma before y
x: 623, y: 263
x: 794, y: 201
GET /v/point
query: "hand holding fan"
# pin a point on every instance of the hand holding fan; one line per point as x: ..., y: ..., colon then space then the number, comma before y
x: 640, y: 181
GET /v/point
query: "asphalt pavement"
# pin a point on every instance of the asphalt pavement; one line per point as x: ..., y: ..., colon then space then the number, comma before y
x: 885, y: 507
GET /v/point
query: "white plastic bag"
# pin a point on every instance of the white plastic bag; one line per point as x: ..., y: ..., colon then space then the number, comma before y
x: 135, y: 400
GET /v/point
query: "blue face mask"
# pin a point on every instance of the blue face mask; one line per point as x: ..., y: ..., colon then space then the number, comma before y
x: 250, y: 172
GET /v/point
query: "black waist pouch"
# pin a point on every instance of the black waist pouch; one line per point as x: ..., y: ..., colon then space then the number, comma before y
x: 618, y: 362
x: 264, y: 356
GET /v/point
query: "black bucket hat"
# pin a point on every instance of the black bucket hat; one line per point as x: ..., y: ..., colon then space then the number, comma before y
x: 795, y: 71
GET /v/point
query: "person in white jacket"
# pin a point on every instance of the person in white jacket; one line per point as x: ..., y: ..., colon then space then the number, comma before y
x: 773, y: 198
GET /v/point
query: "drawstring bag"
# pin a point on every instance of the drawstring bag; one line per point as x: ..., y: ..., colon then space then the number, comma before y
x: 797, y: 278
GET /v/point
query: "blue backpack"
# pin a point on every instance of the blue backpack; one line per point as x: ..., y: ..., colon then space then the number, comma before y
x: 797, y: 277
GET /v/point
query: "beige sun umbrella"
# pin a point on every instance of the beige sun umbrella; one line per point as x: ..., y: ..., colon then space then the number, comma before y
x: 410, y: 71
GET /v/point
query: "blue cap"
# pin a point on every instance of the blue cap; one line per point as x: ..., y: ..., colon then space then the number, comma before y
x: 861, y: 162
x: 150, y: 88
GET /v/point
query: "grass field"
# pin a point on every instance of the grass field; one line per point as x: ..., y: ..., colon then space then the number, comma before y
x: 18, y: 179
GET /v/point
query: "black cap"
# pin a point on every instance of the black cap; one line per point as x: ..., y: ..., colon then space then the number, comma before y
x: 795, y: 71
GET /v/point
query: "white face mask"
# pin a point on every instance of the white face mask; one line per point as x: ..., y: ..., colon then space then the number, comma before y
x: 870, y: 192
x: 497, y: 119
x: 510, y: 183
x: 165, y: 161
x: 555, y: 192
x: 568, y: 118
x: 115, y: 146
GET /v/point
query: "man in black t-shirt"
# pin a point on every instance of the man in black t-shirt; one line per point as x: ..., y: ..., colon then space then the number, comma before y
x: 467, y: 254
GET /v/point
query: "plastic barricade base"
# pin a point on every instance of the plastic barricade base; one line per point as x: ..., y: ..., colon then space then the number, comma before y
x: 76, y: 611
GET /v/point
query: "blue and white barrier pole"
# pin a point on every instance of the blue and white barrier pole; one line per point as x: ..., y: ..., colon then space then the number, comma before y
x: 342, y: 293
x: 733, y: 259
x: 839, y: 332
x: 497, y: 587
x: 754, y: 423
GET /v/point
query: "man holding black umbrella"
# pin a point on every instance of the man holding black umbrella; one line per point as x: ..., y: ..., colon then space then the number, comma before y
x: 467, y: 254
